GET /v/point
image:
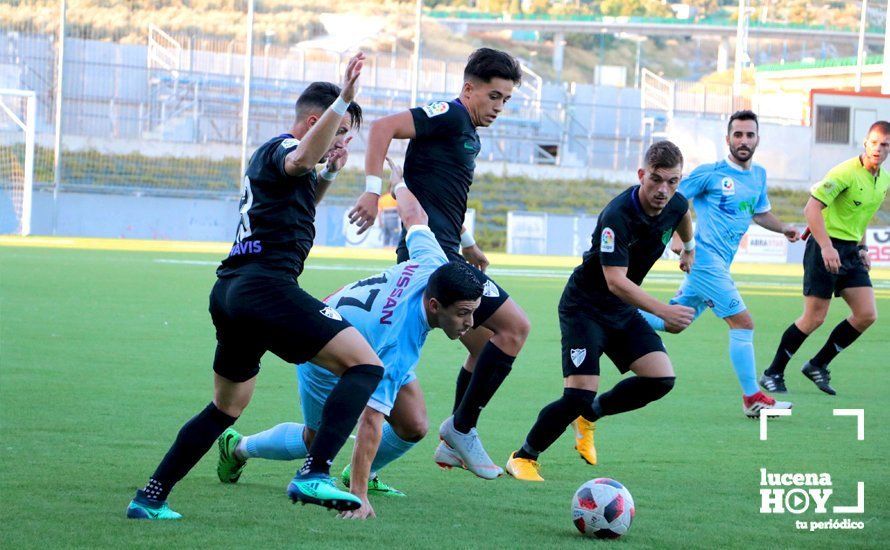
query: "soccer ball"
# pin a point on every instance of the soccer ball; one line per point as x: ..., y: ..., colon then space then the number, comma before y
x: 602, y: 508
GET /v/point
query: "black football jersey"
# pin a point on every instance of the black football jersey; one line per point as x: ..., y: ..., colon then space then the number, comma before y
x: 439, y: 165
x: 277, y: 215
x: 624, y: 236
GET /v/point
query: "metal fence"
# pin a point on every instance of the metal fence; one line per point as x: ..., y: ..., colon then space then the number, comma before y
x: 142, y: 108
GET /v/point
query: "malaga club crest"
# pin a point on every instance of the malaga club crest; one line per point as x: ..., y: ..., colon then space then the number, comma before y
x: 331, y: 313
x: 578, y: 356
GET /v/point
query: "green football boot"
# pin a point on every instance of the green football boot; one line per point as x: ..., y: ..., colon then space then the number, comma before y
x: 229, y: 466
x: 319, y: 489
x: 143, y: 507
x: 375, y: 486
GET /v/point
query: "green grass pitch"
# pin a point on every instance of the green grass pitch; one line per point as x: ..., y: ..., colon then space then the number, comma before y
x: 103, y: 355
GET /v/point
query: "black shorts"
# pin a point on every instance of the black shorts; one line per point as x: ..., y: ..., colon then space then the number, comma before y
x: 819, y: 282
x: 585, y: 339
x: 255, y: 314
x: 493, y: 296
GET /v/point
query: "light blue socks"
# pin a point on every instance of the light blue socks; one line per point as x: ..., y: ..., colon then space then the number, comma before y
x: 741, y: 353
x: 391, y: 447
x: 283, y: 442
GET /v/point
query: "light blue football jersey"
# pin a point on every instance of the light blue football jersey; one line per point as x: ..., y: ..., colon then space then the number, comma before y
x: 387, y: 309
x: 725, y: 201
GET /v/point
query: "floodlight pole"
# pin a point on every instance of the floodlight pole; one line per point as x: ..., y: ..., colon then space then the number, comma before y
x: 415, y: 80
x: 245, y: 102
x: 741, y: 47
x: 860, y: 52
x: 885, y: 83
x: 57, y: 140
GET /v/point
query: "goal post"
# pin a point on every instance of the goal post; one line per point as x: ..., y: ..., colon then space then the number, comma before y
x: 18, y: 110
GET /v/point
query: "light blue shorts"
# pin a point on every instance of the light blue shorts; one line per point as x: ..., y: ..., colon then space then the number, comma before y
x: 316, y: 384
x: 712, y: 288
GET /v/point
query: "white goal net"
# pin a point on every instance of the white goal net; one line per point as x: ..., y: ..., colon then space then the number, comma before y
x: 17, y: 122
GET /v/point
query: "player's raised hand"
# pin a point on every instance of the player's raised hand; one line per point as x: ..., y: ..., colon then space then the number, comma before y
x: 791, y: 233
x: 364, y: 212
x: 366, y: 511
x: 395, y: 174
x: 475, y: 257
x: 350, y: 79
x: 687, y: 258
x: 337, y: 158
x: 831, y: 259
x: 677, y: 317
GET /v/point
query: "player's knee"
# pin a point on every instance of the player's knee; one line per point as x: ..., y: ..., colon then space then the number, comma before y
x: 673, y: 329
x: 659, y: 387
x: 865, y: 319
x: 811, y: 321
x: 515, y: 335
x: 413, y: 430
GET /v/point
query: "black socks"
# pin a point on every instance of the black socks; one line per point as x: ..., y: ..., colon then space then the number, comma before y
x: 631, y: 394
x: 491, y: 370
x: 841, y: 337
x: 463, y: 381
x: 554, y: 418
x: 193, y: 440
x: 339, y: 415
x: 791, y: 341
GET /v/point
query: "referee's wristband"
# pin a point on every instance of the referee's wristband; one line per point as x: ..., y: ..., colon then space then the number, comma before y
x: 340, y: 106
x: 373, y: 184
x: 328, y: 175
x: 689, y: 245
x: 466, y: 239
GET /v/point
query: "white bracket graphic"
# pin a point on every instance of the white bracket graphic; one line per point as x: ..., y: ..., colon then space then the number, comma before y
x: 764, y: 417
x: 860, y: 501
x: 860, y: 420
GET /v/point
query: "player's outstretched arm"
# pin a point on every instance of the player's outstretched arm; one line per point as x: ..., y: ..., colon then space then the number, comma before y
x: 768, y: 220
x: 367, y: 441
x: 407, y: 204
x: 380, y: 135
x: 318, y: 139
x: 674, y: 315
x: 813, y: 213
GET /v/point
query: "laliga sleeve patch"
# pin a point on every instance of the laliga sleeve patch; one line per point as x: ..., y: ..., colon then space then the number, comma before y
x: 607, y: 240
x: 289, y: 143
x: 436, y: 108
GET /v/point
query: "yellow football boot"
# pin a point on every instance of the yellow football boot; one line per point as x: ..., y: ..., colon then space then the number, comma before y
x: 524, y: 469
x: 584, y: 439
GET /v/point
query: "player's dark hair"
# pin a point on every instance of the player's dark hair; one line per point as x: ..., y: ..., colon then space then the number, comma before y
x: 880, y: 126
x: 663, y: 154
x: 742, y: 115
x: 453, y: 282
x: 320, y: 96
x: 487, y: 63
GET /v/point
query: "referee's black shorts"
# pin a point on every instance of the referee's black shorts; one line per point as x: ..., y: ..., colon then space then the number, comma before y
x: 254, y: 314
x: 819, y: 282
